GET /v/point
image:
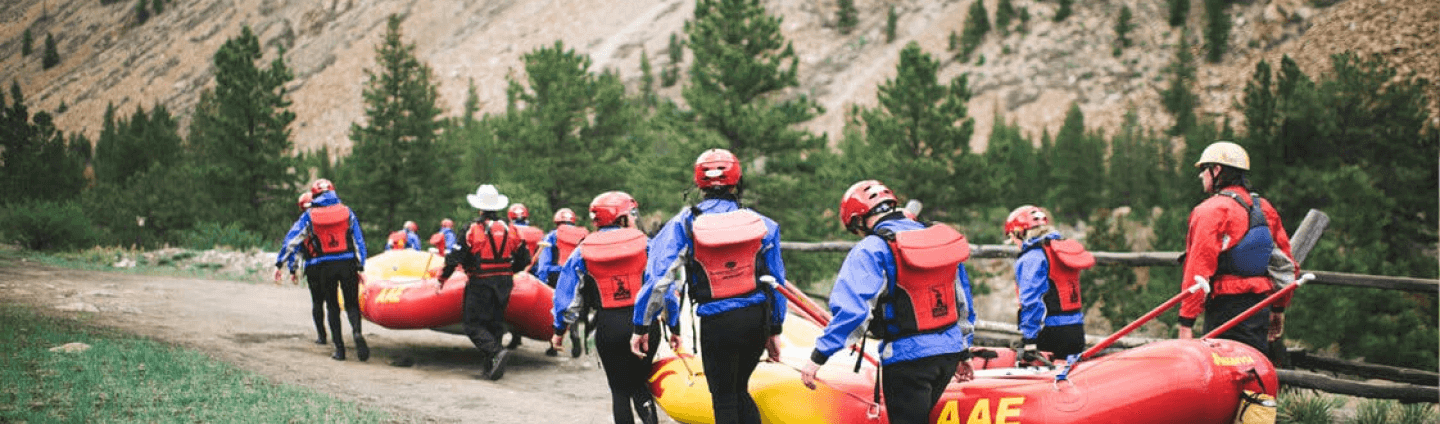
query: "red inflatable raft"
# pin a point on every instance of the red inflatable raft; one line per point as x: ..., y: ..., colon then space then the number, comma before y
x: 399, y: 292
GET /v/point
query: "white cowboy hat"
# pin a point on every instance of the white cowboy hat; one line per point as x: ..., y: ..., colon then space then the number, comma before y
x: 487, y: 198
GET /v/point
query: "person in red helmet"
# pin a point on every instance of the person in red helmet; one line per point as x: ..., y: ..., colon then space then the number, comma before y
x: 334, y: 258
x: 317, y: 292
x: 520, y: 217
x: 728, y: 251
x: 604, y: 274
x: 444, y: 240
x: 408, y: 238
x: 1047, y: 279
x: 1232, y: 237
x: 491, y: 252
x: 907, y: 281
x: 555, y: 249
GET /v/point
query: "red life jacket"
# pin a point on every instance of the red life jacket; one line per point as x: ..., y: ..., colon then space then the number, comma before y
x: 492, y: 242
x: 566, y: 238
x: 330, y: 230
x: 726, y: 248
x: 923, y: 297
x: 616, y: 260
x: 1067, y: 258
x: 532, y: 237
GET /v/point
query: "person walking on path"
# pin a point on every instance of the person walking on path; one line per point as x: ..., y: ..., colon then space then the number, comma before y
x: 491, y: 252
x: 908, y: 281
x: 317, y: 292
x: 604, y: 273
x: 726, y: 250
x: 335, y: 256
x: 1047, y: 279
x: 555, y: 248
x: 1233, y: 235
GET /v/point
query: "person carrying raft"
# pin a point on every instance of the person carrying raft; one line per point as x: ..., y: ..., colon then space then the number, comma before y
x: 1047, y: 280
x: 604, y: 273
x: 726, y: 250
x: 335, y: 256
x: 491, y: 252
x: 908, y: 281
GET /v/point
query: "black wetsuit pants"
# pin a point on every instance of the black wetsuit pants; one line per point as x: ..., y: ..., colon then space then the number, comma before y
x: 1061, y: 340
x: 627, y: 374
x: 317, y: 306
x: 335, y: 278
x: 484, y: 309
x: 730, y: 346
x: 912, y: 387
x: 1253, y: 331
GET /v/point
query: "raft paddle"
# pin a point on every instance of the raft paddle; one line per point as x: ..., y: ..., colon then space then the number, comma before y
x: 1200, y: 285
x: 1254, y: 309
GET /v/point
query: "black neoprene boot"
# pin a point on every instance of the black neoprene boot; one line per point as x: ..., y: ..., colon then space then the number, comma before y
x: 362, y: 350
x: 339, y: 354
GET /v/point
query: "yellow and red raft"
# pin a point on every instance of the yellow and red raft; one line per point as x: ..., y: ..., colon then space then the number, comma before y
x: 1175, y: 381
x: 399, y: 291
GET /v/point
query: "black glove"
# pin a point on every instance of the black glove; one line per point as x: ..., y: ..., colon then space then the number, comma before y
x: 1029, y: 353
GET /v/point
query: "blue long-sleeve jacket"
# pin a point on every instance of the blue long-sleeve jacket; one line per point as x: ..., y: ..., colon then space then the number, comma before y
x: 1032, y: 279
x: 867, y: 273
x: 673, y: 241
x: 412, y: 240
x: 301, y: 230
x: 450, y: 243
x: 546, y: 264
x: 568, y: 301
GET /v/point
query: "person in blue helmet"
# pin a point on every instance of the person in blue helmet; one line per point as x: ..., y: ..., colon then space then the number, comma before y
x: 726, y: 249
x: 604, y: 273
x: 1047, y: 280
x: 335, y: 251
x: 908, y: 281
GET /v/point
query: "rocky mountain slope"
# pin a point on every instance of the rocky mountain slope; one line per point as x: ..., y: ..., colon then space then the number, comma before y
x: 1030, y: 78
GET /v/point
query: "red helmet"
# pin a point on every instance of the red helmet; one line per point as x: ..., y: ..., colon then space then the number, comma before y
x: 447, y: 223
x: 565, y: 215
x: 304, y: 201
x: 518, y: 212
x: 320, y: 186
x: 1024, y: 218
x: 610, y: 206
x: 716, y: 168
x: 396, y: 240
x: 862, y: 198
x: 411, y: 227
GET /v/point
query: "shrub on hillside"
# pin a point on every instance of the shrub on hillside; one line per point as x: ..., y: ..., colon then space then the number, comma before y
x: 47, y: 225
x: 210, y: 235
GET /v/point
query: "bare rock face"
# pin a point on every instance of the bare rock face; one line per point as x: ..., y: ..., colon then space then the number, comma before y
x: 1029, y: 77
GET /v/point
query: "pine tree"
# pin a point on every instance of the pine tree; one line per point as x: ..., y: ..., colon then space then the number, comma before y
x: 241, y: 135
x: 846, y: 17
x: 1004, y: 12
x: 671, y: 74
x: 1063, y: 10
x: 27, y: 42
x: 919, y: 134
x: 1217, y: 29
x: 1177, y: 98
x: 1179, y: 10
x: 52, y: 55
x: 977, y: 24
x: 1123, y: 26
x: 647, y: 80
x: 891, y: 19
x: 1014, y: 160
x: 142, y: 13
x: 741, y: 61
x: 1077, y: 170
x: 472, y: 103
x: 392, y: 167
x: 158, y: 6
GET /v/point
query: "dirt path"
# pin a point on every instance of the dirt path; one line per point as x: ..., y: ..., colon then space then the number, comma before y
x: 266, y: 329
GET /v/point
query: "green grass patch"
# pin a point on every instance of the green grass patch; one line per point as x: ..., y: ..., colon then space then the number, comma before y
x: 124, y: 378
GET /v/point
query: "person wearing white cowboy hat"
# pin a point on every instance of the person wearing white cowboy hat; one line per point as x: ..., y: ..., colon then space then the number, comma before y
x: 487, y: 198
x: 491, y: 252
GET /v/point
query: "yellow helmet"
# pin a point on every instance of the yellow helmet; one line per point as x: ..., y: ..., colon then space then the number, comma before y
x: 1225, y: 153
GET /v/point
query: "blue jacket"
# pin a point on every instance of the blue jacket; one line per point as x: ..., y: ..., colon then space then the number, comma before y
x: 546, y: 263
x: 673, y: 241
x: 450, y: 243
x: 868, y: 272
x: 568, y: 301
x: 300, y: 231
x: 412, y: 240
x: 1032, y: 278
